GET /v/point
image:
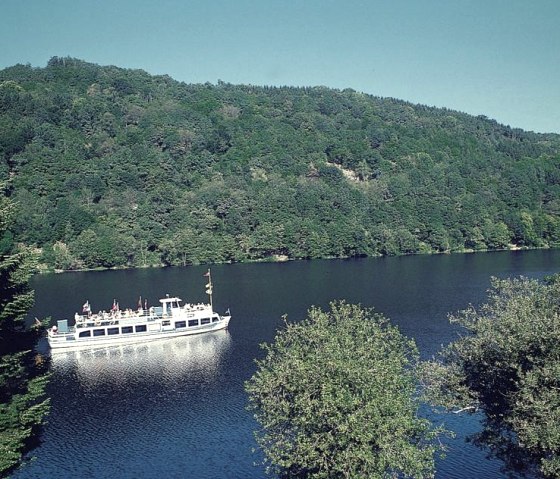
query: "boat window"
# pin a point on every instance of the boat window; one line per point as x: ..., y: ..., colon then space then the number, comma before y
x: 111, y: 331
x: 180, y: 324
x: 126, y: 329
x: 141, y: 328
x: 166, y: 323
x: 99, y: 332
x: 205, y: 321
x: 193, y: 322
x: 84, y: 334
x: 215, y: 319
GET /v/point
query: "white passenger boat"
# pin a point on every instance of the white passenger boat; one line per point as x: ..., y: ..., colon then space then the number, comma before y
x: 169, y: 320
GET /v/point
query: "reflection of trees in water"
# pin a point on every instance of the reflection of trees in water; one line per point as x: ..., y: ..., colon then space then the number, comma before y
x: 507, y: 366
x: 502, y: 444
x: 162, y: 361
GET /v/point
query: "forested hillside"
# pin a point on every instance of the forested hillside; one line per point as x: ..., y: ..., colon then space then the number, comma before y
x: 113, y: 167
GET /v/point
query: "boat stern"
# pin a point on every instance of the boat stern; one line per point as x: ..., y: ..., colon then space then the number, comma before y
x: 60, y: 335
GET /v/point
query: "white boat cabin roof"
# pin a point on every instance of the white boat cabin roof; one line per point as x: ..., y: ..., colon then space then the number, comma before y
x: 170, y: 300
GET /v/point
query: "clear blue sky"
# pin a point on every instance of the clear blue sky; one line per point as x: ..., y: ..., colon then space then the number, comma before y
x: 499, y: 58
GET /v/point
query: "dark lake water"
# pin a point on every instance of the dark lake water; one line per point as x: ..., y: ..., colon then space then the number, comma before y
x: 176, y: 408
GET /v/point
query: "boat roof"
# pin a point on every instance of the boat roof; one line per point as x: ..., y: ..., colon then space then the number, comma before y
x: 169, y: 300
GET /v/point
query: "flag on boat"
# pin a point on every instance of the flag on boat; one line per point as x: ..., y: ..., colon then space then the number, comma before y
x: 207, y: 274
x: 115, y: 306
x: 86, y: 308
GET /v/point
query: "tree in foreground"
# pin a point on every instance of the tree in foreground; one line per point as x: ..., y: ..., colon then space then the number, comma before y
x: 508, y: 365
x: 335, y: 396
x: 23, y: 378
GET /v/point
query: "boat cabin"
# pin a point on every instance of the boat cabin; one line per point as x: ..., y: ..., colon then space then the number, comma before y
x: 171, y: 306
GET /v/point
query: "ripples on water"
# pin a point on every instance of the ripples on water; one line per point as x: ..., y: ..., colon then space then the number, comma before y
x: 175, y: 408
x: 134, y: 410
x: 166, y: 360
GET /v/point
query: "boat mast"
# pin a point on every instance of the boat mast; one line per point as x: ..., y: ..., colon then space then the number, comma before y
x: 209, y: 288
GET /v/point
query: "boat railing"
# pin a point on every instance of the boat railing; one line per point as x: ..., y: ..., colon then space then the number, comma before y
x: 53, y: 333
x: 196, y: 307
x: 118, y: 317
x: 111, y: 318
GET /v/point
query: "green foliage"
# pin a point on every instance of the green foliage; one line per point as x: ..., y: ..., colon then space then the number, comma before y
x: 508, y: 365
x: 23, y: 378
x: 335, y: 397
x: 119, y: 156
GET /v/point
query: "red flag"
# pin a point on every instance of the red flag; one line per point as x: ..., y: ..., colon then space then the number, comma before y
x: 86, y: 308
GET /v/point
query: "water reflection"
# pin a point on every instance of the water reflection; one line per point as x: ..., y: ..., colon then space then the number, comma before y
x: 165, y: 360
x: 176, y: 407
x: 132, y: 410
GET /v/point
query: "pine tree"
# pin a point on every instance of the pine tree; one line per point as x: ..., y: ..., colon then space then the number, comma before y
x: 23, y: 373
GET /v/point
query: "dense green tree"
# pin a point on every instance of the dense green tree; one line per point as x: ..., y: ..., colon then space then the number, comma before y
x: 496, y: 235
x: 23, y: 378
x: 335, y: 398
x: 508, y: 365
x: 298, y: 172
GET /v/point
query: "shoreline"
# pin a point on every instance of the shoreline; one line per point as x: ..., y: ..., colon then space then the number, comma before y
x: 284, y: 259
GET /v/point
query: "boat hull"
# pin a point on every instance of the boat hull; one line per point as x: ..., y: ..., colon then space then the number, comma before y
x: 70, y: 340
